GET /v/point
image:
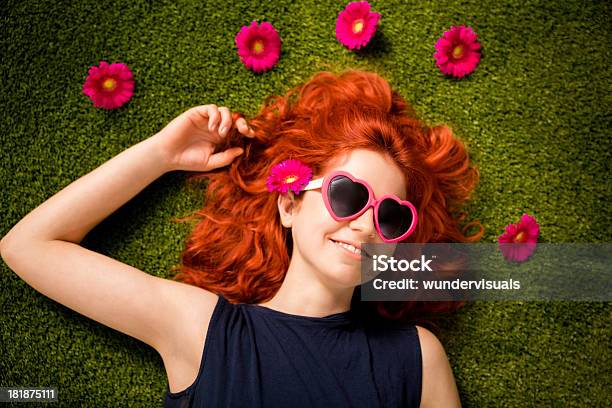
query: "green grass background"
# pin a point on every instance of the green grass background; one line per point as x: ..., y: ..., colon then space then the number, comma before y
x: 535, y: 115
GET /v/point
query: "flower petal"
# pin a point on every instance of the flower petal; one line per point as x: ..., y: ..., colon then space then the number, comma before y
x: 457, y: 65
x: 258, y: 60
x: 109, y: 98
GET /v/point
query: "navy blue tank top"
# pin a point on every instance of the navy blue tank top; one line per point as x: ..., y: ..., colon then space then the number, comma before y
x: 255, y: 356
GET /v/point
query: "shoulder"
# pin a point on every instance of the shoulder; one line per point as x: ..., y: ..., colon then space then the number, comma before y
x: 432, y: 350
x: 438, y: 383
x: 183, y: 352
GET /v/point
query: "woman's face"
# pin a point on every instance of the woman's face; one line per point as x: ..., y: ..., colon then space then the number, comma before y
x: 314, y: 230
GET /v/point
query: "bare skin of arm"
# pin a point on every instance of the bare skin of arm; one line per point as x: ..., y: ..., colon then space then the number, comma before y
x: 43, y: 248
x: 438, y: 388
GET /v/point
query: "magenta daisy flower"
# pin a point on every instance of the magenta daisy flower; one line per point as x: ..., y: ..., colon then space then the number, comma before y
x: 457, y: 51
x: 356, y: 25
x: 525, y: 232
x: 288, y: 175
x: 259, y: 46
x: 109, y: 86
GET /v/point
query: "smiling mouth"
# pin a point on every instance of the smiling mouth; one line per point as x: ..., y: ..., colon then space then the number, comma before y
x: 351, y: 248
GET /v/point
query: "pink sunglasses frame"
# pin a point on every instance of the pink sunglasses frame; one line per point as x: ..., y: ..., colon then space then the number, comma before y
x: 323, y: 184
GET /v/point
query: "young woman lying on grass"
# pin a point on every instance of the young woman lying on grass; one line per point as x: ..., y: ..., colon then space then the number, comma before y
x: 265, y: 311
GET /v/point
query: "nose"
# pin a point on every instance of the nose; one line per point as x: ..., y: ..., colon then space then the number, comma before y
x: 365, y: 223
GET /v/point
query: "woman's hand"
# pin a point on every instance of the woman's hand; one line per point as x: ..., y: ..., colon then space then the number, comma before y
x: 189, y: 141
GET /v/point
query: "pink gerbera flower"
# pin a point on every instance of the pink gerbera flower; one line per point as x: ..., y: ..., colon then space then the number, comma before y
x: 457, y: 51
x: 259, y: 46
x: 525, y: 232
x: 356, y: 25
x: 109, y: 86
x: 289, y: 174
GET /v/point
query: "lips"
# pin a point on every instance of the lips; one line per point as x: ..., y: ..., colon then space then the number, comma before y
x: 363, y: 251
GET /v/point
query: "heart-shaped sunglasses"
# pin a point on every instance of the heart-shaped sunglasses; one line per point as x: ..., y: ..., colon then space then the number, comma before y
x: 347, y: 197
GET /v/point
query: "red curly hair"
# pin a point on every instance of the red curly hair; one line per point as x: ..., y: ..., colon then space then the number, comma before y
x: 240, y: 249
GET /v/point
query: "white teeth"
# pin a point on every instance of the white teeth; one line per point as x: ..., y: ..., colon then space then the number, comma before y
x: 349, y: 247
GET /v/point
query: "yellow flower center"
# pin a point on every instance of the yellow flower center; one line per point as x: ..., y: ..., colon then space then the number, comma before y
x: 290, y: 179
x: 109, y: 84
x: 258, y: 47
x: 458, y: 51
x: 358, y: 26
x: 520, y: 237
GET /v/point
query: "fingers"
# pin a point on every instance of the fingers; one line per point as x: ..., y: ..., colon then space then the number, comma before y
x: 226, y: 120
x: 205, y: 117
x: 223, y: 158
x: 214, y: 117
x: 243, y: 128
x: 220, y: 120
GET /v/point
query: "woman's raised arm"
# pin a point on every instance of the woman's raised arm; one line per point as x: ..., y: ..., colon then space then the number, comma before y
x: 43, y: 248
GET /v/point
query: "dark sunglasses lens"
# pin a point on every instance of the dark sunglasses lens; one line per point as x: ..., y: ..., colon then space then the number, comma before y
x: 346, y: 197
x: 394, y: 219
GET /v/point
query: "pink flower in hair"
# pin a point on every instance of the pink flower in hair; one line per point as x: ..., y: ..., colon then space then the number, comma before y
x: 288, y: 175
x: 525, y: 232
x: 457, y: 51
x: 356, y: 25
x: 109, y: 86
x: 259, y: 46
